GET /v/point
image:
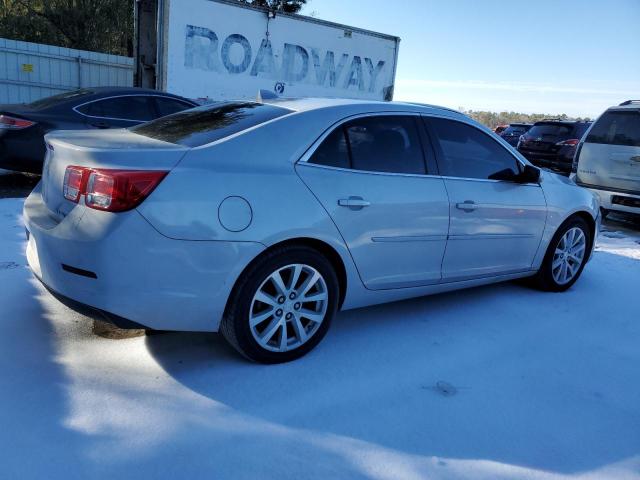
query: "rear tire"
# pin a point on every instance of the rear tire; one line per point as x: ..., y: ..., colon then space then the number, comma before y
x: 566, y: 256
x: 282, y: 306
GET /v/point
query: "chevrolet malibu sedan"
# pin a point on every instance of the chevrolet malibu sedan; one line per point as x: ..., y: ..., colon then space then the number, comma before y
x: 261, y: 220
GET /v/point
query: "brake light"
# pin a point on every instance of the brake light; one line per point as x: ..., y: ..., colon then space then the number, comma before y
x: 13, y: 123
x: 569, y: 143
x: 576, y: 159
x: 110, y: 190
x: 74, y: 183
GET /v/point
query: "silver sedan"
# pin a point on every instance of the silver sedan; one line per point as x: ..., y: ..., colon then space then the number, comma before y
x: 261, y: 220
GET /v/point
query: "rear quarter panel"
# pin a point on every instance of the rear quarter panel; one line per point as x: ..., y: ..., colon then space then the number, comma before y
x: 258, y: 166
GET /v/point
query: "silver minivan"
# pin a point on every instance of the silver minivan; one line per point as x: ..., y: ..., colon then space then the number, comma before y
x: 608, y: 158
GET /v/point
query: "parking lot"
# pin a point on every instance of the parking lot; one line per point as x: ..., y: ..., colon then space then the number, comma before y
x: 494, y: 382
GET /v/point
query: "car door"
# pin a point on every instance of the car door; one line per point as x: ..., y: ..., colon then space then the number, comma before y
x: 118, y: 112
x: 609, y: 158
x: 496, y: 224
x: 371, y: 176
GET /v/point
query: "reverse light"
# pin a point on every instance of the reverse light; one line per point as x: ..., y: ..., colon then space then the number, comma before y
x: 12, y: 123
x: 110, y: 190
x: 74, y: 183
x: 569, y: 143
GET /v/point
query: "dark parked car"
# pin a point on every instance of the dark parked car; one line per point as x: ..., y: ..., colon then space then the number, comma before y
x: 513, y: 132
x: 552, y: 143
x: 23, y: 126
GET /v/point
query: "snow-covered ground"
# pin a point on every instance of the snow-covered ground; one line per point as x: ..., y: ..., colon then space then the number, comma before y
x: 490, y: 383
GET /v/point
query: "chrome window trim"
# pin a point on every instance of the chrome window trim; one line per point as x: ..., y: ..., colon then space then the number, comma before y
x: 420, y: 175
x: 368, y: 172
x: 304, y: 159
x: 75, y: 109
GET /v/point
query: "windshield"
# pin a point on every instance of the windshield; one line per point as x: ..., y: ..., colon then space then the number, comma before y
x: 206, y: 124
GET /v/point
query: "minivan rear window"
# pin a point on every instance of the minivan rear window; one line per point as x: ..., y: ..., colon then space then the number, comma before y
x: 616, y: 128
x: 206, y: 124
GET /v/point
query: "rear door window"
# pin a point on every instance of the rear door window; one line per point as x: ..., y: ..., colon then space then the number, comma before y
x: 135, y: 108
x: 385, y: 144
x: 467, y: 152
x: 198, y: 126
x: 389, y: 143
x: 616, y: 128
x: 333, y: 151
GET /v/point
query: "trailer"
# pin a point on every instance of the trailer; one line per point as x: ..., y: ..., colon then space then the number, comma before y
x: 225, y: 49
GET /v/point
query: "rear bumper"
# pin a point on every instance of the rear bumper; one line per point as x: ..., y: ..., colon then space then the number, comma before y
x: 118, y: 268
x: 617, y: 201
x: 92, y: 312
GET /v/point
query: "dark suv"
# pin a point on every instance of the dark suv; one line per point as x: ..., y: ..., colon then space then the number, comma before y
x: 513, y: 132
x: 552, y: 143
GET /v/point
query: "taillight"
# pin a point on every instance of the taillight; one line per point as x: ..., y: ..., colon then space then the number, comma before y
x: 110, y: 190
x: 13, y: 123
x: 576, y: 159
x: 74, y: 183
x: 569, y: 143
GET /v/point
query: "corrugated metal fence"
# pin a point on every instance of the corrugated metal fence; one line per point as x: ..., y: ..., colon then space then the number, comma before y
x: 29, y: 71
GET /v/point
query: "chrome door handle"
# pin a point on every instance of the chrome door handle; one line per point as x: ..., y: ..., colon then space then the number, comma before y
x: 467, y: 206
x: 354, y: 203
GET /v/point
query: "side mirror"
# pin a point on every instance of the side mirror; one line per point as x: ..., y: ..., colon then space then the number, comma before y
x: 530, y: 174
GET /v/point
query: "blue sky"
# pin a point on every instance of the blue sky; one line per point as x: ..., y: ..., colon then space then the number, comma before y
x: 544, y: 56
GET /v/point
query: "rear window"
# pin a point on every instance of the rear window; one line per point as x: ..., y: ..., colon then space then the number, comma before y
x: 206, y: 124
x: 54, y: 100
x: 616, y: 128
x: 549, y: 131
x: 515, y: 130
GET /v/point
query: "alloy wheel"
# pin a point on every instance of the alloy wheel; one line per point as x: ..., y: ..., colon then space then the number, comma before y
x: 569, y: 255
x: 288, y: 307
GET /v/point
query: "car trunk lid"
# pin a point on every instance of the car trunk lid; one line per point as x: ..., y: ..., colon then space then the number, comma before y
x: 108, y: 149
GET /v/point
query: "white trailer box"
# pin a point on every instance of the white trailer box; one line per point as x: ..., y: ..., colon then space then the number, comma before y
x: 223, y: 49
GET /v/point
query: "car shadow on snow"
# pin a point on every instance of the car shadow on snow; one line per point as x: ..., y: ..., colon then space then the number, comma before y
x: 34, y: 440
x: 500, y: 373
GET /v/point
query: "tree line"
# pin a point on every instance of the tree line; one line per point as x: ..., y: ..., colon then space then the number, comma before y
x: 493, y: 119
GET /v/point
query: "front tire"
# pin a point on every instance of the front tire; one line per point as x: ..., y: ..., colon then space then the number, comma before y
x: 282, y: 305
x: 566, y: 256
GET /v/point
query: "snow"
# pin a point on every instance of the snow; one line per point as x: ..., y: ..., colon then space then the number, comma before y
x: 491, y: 383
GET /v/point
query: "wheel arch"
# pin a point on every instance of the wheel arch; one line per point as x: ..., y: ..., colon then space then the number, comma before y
x: 322, y: 247
x: 591, y: 222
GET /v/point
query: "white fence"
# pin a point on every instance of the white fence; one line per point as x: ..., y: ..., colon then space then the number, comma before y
x: 29, y: 71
